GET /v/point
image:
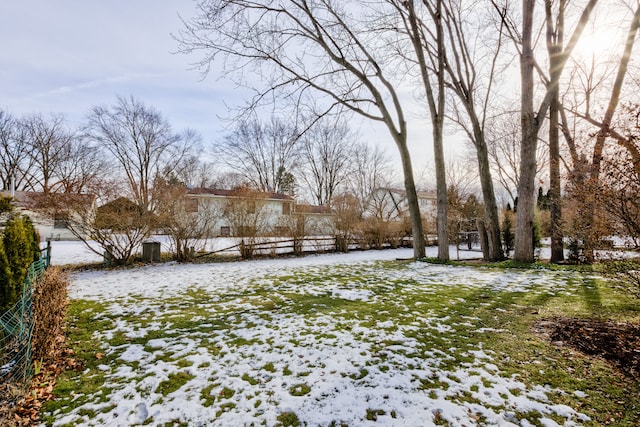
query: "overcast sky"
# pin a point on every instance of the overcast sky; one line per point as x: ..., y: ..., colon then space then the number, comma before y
x: 65, y: 56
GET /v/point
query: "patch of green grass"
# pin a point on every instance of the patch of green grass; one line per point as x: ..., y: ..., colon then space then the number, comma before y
x: 373, y: 414
x: 249, y: 379
x: 226, y: 393
x: 299, y: 390
x: 225, y: 407
x: 288, y: 419
x: 83, y: 321
x: 184, y: 363
x: 174, y: 382
x: 176, y: 423
x: 269, y: 367
x: 205, y: 395
x: 360, y: 375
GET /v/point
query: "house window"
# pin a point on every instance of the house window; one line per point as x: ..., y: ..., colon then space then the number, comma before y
x: 60, y: 221
x: 286, y: 208
x: 247, y: 231
x: 225, y: 231
x: 191, y: 205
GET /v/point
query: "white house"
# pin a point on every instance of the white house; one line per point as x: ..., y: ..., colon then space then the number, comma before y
x: 51, y: 212
x: 243, y: 212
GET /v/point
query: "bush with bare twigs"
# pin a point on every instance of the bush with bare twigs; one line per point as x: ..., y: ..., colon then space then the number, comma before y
x: 49, y: 308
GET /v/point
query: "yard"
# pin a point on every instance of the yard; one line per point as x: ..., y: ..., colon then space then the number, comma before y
x: 358, y: 339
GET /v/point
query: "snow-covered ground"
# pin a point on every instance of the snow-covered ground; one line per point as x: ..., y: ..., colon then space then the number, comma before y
x: 75, y: 252
x: 250, y: 347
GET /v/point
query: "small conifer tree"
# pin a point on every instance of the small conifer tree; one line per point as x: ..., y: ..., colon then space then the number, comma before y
x: 19, y: 252
x: 508, y: 236
x: 8, y: 295
x: 33, y: 237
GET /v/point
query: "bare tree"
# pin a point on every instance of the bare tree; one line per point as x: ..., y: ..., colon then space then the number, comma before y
x: 585, y: 171
x: 421, y: 35
x: 503, y: 141
x: 194, y: 170
x: 82, y: 167
x: 142, y: 143
x: 532, y: 119
x: 15, y: 162
x: 228, y: 180
x: 187, y: 221
x: 48, y: 142
x: 472, y: 69
x: 264, y: 154
x: 247, y: 213
x: 327, y: 159
x: 370, y: 170
x: 555, y: 41
x: 301, y: 46
x: 116, y: 229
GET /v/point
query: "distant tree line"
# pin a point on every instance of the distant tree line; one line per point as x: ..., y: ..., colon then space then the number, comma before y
x: 129, y: 151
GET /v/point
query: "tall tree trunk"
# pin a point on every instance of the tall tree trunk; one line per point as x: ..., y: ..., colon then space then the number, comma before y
x: 526, y: 186
x: 459, y: 64
x: 531, y: 123
x: 436, y: 109
x: 437, y: 115
x: 492, y: 220
x: 441, y: 195
x: 555, y: 197
x: 417, y: 231
x: 555, y: 40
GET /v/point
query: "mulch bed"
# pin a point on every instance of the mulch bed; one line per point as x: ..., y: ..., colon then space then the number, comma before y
x: 20, y: 406
x: 616, y: 342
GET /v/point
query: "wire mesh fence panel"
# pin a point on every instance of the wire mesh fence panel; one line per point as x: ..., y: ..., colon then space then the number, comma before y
x: 16, y: 327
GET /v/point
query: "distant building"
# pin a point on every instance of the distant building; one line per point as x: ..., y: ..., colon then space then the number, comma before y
x: 51, y: 213
x: 249, y: 212
x: 390, y: 204
x: 239, y: 212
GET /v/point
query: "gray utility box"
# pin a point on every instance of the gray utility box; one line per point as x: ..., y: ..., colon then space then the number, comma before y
x: 151, y: 251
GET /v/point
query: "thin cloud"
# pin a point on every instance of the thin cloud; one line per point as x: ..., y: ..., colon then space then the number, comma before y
x: 92, y: 84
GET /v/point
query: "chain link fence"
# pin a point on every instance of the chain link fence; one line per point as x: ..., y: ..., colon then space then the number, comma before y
x: 16, y: 326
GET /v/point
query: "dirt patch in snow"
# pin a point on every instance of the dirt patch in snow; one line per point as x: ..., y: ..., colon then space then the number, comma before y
x: 616, y: 342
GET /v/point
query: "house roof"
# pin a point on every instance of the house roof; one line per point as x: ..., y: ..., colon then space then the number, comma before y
x: 121, y: 204
x: 38, y: 200
x: 402, y: 192
x: 312, y: 209
x: 427, y: 195
x: 238, y: 193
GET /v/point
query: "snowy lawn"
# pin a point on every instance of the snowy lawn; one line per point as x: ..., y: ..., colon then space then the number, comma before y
x: 359, y: 340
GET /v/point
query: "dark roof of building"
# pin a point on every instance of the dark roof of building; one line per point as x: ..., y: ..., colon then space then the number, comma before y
x: 38, y: 200
x: 312, y: 209
x: 239, y: 193
x: 420, y: 194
